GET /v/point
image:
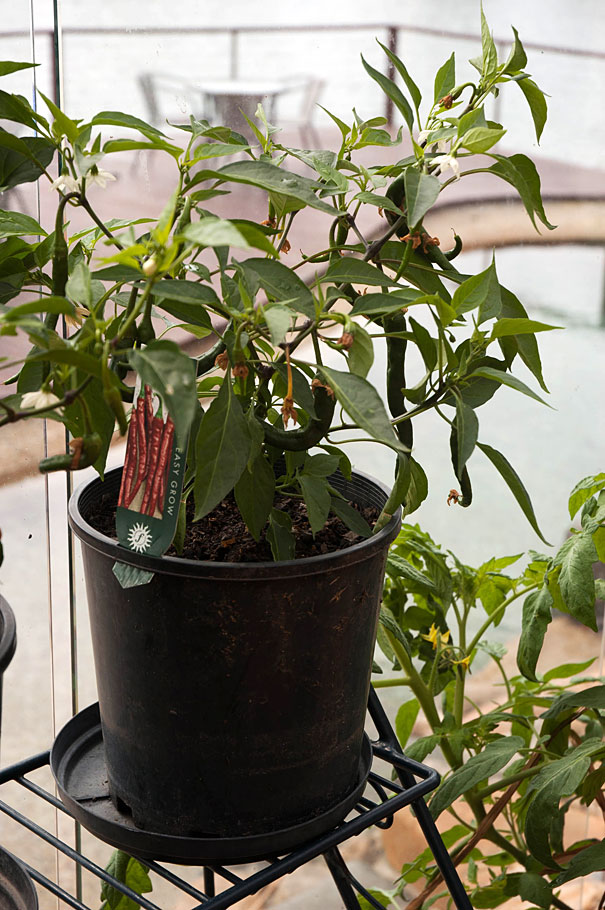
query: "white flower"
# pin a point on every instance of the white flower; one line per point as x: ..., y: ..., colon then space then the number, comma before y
x: 423, y: 136
x: 447, y: 163
x: 99, y: 176
x: 66, y: 184
x: 39, y: 399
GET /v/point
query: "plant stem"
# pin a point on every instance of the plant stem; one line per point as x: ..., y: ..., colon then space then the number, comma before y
x: 391, y: 681
x: 496, y: 615
x: 510, y: 779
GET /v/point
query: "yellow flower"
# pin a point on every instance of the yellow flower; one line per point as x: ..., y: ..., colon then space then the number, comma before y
x: 436, y: 637
x: 463, y: 662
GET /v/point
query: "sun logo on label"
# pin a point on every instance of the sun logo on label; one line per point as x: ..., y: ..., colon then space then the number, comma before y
x: 139, y: 537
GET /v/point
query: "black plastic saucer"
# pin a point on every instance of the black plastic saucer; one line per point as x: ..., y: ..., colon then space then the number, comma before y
x: 17, y: 890
x: 77, y: 761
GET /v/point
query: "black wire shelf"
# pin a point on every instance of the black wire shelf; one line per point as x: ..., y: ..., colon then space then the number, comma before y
x: 380, y: 800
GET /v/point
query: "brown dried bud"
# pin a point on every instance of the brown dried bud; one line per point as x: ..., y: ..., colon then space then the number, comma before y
x: 446, y: 101
x: 269, y: 222
x: 222, y: 360
x: 288, y: 411
x: 429, y: 241
x: 346, y: 341
x: 284, y: 246
x: 454, y: 497
x: 318, y: 384
x: 240, y: 370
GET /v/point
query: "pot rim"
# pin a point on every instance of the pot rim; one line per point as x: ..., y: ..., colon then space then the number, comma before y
x: 176, y: 565
x: 8, y: 634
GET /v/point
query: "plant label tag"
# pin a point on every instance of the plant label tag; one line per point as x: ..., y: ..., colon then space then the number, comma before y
x: 152, y: 479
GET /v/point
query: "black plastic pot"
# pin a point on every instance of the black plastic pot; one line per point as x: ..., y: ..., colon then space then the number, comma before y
x: 8, y: 641
x: 232, y: 695
x: 17, y: 890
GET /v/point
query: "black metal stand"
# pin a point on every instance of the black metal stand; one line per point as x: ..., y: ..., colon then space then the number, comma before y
x: 378, y: 808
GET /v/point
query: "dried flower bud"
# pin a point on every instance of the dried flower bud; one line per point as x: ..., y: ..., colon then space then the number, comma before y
x: 240, y: 370
x: 269, y: 222
x: 288, y: 411
x: 222, y: 360
x: 346, y: 341
x: 318, y: 384
x: 454, y: 496
x: 446, y: 101
x: 428, y: 242
x: 284, y: 246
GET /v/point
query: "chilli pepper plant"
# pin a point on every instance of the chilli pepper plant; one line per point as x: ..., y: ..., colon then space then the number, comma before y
x: 102, y: 302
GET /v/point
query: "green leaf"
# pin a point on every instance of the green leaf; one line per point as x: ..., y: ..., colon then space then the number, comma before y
x: 207, y: 150
x: 480, y: 138
x: 565, y: 671
x: 513, y: 481
x: 537, y: 103
x: 445, y: 79
x: 506, y: 379
x: 587, y: 698
x: 221, y: 451
x: 117, y: 118
x: 490, y: 54
x: 421, y: 191
x: 275, y: 179
x: 583, y: 490
x: 317, y: 500
x: 283, y: 285
x: 393, y: 92
x: 520, y: 172
x: 15, y: 224
x: 393, y: 628
x: 493, y: 757
x: 163, y: 366
x: 384, y: 899
x: 467, y: 430
x: 405, y: 720
x: 17, y: 109
x: 353, y: 519
x: 212, y: 231
x: 576, y: 579
x: 62, y: 124
x: 321, y: 465
x: 409, y: 82
x: 186, y: 300
x: 362, y: 402
x: 348, y: 268
x: 361, y: 354
x: 382, y: 202
x: 517, y: 59
x: 383, y: 304
x: 128, y: 145
x: 8, y: 66
x: 23, y: 160
x: 43, y: 305
x: 527, y: 344
x: 520, y: 326
x: 130, y: 872
x: 480, y: 291
x: 417, y: 487
x: 399, y: 567
x: 279, y: 320
x: 422, y: 747
x: 558, y: 779
x: 532, y: 887
x: 254, y: 494
x: 590, y: 860
x: 280, y: 536
x: 537, y: 614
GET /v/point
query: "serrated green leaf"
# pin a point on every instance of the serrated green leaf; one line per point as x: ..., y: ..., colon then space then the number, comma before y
x: 590, y: 860
x: 587, y: 698
x: 420, y: 748
x: 221, y: 452
x: 576, y: 579
x: 421, y: 191
x: 513, y: 481
x: 493, y: 757
x: 558, y: 779
x: 405, y: 720
x: 584, y: 490
x: 537, y: 614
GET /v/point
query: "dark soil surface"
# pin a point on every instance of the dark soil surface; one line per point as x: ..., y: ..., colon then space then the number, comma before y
x: 222, y: 535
